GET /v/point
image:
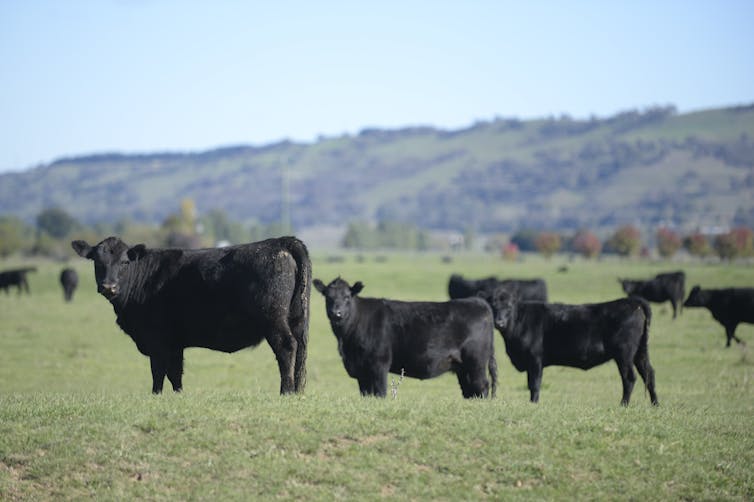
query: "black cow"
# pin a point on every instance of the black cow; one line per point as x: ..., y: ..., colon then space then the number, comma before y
x: 69, y: 279
x: 525, y: 290
x: 16, y: 277
x: 538, y: 334
x: 663, y: 287
x: 729, y: 307
x: 422, y: 339
x: 222, y: 299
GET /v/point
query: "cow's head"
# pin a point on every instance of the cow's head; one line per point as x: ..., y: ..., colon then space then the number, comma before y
x: 503, y: 304
x: 628, y: 286
x: 338, y: 298
x: 696, y: 298
x: 111, y: 257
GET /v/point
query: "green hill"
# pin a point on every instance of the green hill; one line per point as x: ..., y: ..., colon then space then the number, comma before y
x: 645, y: 167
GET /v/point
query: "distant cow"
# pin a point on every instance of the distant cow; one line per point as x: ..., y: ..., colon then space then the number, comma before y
x: 16, y: 277
x: 222, y: 299
x: 525, y: 290
x: 540, y: 334
x: 729, y: 307
x: 69, y: 279
x: 669, y: 286
x: 423, y: 339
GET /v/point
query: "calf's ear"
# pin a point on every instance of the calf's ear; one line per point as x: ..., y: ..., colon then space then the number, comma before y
x: 137, y: 252
x: 319, y: 286
x: 356, y: 288
x: 82, y: 248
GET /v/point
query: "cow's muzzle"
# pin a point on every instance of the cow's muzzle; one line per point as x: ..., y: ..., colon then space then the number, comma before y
x: 108, y: 290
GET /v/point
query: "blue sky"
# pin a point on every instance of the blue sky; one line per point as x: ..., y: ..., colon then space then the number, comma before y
x: 80, y: 77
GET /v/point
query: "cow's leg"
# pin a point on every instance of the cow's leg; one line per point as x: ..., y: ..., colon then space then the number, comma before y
x: 628, y: 377
x: 373, y: 382
x: 284, y: 346
x: 643, y: 366
x: 730, y: 332
x: 159, y: 369
x: 675, y: 307
x: 175, y: 369
x: 534, y: 377
x: 473, y: 381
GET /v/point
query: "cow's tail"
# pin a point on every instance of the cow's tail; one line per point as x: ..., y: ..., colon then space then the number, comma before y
x: 492, y: 368
x: 641, y: 359
x: 299, y: 309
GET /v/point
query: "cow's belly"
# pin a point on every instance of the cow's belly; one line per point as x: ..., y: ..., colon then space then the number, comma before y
x: 424, y: 367
x: 228, y: 337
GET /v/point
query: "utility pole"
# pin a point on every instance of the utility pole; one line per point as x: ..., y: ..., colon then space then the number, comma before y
x: 285, y: 197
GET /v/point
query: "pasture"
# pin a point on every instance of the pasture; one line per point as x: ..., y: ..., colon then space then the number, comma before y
x: 77, y: 418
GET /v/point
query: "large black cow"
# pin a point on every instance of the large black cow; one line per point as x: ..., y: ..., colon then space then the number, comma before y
x: 69, y: 279
x: 729, y: 307
x: 540, y: 334
x: 16, y: 277
x: 525, y: 290
x: 668, y: 286
x: 423, y: 339
x: 223, y: 299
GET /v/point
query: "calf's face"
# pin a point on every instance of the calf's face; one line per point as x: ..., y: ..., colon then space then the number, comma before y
x: 695, y: 299
x: 338, y: 298
x: 110, y: 257
x: 503, y: 306
x: 628, y: 286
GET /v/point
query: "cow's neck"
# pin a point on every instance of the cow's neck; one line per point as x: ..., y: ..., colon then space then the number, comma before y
x: 142, y: 279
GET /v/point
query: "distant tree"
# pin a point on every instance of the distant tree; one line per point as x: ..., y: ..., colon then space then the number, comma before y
x: 697, y: 244
x: 668, y: 242
x: 359, y: 235
x: 220, y: 227
x: 734, y: 244
x: 586, y: 244
x: 626, y: 241
x: 12, y: 232
x: 547, y: 243
x: 744, y: 239
x: 725, y: 246
x: 56, y: 223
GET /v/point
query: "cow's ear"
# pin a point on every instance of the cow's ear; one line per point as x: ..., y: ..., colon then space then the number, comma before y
x: 136, y: 252
x: 356, y: 288
x: 82, y: 249
x: 319, y: 286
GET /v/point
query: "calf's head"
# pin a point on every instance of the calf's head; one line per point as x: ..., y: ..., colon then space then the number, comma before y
x: 111, y: 257
x: 503, y: 304
x: 338, y: 298
x: 696, y: 298
x: 628, y: 286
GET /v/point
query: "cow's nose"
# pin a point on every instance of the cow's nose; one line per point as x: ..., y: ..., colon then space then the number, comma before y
x: 109, y: 289
x: 337, y: 314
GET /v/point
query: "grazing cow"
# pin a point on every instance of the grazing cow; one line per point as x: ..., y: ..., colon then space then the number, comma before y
x: 540, y: 334
x: 16, y: 277
x: 729, y: 307
x: 663, y: 287
x: 222, y: 299
x: 525, y: 290
x: 69, y: 279
x: 422, y: 339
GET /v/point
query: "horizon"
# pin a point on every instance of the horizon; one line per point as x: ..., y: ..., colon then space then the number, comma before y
x: 167, y: 76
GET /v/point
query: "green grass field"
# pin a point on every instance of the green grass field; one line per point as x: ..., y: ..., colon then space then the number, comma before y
x: 77, y: 419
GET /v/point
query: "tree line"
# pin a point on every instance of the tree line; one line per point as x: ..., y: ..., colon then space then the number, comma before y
x: 54, y: 228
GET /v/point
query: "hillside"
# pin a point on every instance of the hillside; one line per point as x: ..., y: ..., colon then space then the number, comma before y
x: 647, y: 167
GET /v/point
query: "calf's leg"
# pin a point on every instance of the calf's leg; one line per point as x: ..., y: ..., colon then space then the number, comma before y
x: 534, y: 377
x: 175, y: 369
x: 641, y: 360
x: 159, y: 369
